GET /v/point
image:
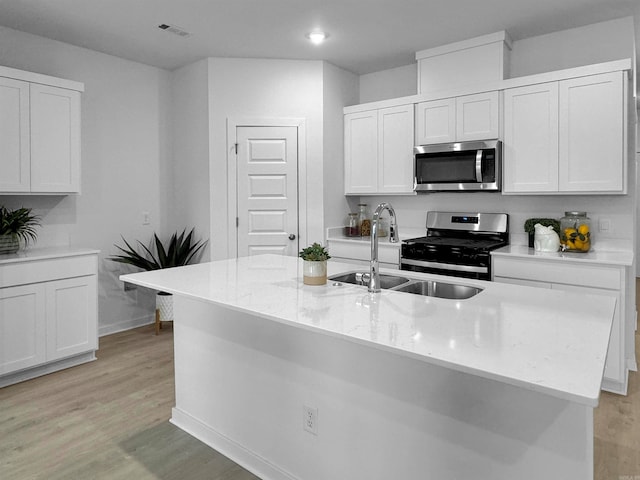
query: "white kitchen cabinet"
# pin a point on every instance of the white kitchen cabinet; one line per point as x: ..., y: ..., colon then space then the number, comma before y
x: 585, y: 278
x: 22, y: 327
x: 530, y: 140
x: 459, y: 119
x: 14, y: 136
x: 379, y: 151
x: 48, y: 302
x: 566, y: 137
x: 39, y: 133
x: 55, y: 140
x: 592, y: 134
x: 71, y: 316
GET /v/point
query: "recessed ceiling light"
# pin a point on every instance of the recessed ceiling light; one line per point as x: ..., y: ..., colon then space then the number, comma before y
x: 317, y: 37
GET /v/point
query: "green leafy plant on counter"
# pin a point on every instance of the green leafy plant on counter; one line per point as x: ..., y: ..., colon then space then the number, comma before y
x: 181, y: 250
x: 529, y: 224
x: 19, y: 223
x: 314, y: 253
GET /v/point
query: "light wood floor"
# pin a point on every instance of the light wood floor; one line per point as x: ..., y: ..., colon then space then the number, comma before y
x: 105, y: 420
x: 109, y: 420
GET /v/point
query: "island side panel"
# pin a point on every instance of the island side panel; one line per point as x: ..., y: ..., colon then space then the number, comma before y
x: 242, y: 381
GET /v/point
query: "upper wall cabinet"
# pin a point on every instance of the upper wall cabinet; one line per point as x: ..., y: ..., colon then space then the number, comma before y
x: 379, y: 151
x: 459, y: 119
x: 567, y: 136
x: 39, y: 133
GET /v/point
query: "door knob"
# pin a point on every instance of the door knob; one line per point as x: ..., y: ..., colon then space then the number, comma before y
x: 292, y: 236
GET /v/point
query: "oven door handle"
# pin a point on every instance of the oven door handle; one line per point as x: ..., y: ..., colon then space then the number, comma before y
x: 444, y: 266
x: 479, y: 165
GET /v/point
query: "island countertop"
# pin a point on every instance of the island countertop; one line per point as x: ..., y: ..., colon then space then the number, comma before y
x: 548, y: 341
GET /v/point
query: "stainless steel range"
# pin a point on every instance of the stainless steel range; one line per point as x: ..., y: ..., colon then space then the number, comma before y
x: 457, y: 244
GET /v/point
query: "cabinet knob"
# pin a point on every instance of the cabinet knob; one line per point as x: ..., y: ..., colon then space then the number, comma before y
x: 292, y: 236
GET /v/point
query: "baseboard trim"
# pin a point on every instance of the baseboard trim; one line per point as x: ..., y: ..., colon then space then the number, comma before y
x: 47, y: 368
x: 125, y: 325
x: 247, y: 459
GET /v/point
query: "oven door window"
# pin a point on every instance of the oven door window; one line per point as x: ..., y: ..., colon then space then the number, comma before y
x: 447, y: 167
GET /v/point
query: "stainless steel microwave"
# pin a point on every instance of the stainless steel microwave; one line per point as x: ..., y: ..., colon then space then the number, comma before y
x: 460, y: 166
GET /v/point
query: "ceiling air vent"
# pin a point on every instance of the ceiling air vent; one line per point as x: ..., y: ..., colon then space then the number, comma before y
x: 174, y: 29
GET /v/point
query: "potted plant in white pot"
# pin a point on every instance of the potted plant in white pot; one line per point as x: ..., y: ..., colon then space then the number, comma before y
x: 16, y: 225
x: 181, y: 250
x: 314, y: 268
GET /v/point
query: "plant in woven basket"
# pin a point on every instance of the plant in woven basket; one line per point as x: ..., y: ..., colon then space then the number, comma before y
x: 16, y: 225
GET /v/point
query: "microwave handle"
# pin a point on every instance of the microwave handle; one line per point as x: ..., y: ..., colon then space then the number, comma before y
x: 479, y: 165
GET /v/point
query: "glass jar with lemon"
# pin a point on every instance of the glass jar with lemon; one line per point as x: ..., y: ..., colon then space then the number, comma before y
x: 575, y: 232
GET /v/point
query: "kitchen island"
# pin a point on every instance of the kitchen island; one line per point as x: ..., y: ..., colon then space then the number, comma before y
x: 501, y: 385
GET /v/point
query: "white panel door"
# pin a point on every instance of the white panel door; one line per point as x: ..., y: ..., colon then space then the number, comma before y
x: 55, y: 139
x: 436, y: 122
x: 530, y: 147
x: 22, y: 327
x: 477, y: 117
x: 267, y: 190
x: 592, y: 137
x: 14, y: 136
x: 395, y: 149
x: 361, y: 152
x: 71, y: 317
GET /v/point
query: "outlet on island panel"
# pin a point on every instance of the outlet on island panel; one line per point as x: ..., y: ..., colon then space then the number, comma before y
x: 310, y: 419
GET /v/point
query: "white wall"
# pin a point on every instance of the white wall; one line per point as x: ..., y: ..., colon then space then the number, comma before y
x: 189, y: 191
x: 392, y: 83
x: 125, y: 140
x: 256, y: 88
x: 340, y: 88
x: 600, y: 42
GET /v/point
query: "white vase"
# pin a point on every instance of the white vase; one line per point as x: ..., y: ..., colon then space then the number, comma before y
x: 164, y: 304
x: 314, y: 273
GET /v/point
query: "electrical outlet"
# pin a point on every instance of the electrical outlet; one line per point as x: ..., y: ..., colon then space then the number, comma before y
x: 310, y: 419
x: 146, y: 218
x: 604, y: 225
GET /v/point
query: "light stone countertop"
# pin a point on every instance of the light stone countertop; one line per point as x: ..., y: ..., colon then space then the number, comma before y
x: 549, y: 341
x: 34, y: 254
x: 593, y: 256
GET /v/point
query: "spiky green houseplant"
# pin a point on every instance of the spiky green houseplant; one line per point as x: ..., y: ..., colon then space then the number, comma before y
x: 17, y: 225
x: 180, y: 251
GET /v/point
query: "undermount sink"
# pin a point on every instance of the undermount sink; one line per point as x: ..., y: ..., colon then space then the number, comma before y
x: 434, y: 288
x: 428, y: 288
x: 362, y: 278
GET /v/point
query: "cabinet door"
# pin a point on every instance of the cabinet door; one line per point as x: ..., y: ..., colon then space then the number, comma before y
x: 436, y: 122
x: 361, y: 152
x: 71, y: 317
x: 22, y: 328
x: 614, y: 367
x: 14, y: 136
x: 55, y: 140
x: 592, y: 138
x: 530, y: 147
x: 395, y: 149
x: 477, y: 117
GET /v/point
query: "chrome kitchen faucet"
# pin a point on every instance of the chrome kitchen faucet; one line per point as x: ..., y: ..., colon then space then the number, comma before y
x: 374, y: 269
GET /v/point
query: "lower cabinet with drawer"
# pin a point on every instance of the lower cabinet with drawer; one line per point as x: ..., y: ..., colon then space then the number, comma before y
x: 48, y: 315
x: 593, y: 279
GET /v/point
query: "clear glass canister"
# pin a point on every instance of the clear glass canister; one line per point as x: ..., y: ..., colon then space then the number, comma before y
x: 352, y: 226
x: 364, y: 220
x: 575, y: 228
